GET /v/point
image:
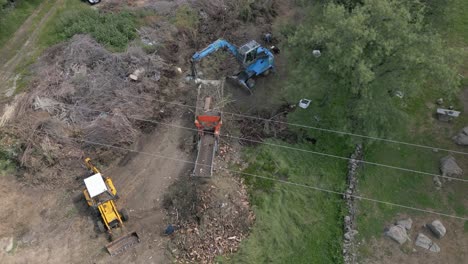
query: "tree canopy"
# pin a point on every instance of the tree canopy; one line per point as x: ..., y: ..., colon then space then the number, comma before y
x: 369, y: 54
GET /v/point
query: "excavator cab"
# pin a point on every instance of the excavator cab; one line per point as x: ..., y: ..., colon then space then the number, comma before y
x: 248, y: 53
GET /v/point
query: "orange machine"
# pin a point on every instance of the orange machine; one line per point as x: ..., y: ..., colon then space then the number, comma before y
x: 208, y: 120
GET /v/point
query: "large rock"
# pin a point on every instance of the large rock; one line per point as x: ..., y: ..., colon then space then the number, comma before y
x: 406, y: 223
x: 437, y: 228
x: 6, y: 244
x: 425, y: 242
x: 449, y: 167
x: 397, y: 233
x: 462, y: 137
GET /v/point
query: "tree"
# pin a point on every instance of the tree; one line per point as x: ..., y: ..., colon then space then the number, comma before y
x: 3, y: 3
x: 369, y: 54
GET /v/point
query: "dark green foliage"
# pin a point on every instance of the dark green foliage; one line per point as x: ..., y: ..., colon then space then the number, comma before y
x: 3, y: 3
x: 368, y: 54
x: 349, y: 4
x: 114, y: 30
x: 249, y: 10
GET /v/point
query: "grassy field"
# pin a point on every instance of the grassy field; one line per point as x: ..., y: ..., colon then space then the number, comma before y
x: 12, y: 18
x: 449, y: 18
x: 296, y: 225
x: 113, y: 30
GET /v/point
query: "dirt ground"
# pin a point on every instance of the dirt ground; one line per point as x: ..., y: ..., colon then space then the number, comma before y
x: 51, y: 223
x: 48, y: 228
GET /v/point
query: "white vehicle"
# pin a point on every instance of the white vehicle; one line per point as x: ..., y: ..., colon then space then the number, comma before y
x: 93, y: 2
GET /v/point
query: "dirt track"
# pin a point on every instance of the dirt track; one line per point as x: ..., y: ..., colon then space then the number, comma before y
x: 46, y: 235
x: 25, y: 37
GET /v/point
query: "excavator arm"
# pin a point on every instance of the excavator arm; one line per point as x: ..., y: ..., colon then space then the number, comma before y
x: 212, y: 48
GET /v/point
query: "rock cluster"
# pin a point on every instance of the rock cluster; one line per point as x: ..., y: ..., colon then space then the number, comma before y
x: 349, y: 247
x: 399, y: 233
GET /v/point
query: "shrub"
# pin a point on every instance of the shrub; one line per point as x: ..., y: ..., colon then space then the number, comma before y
x: 114, y: 30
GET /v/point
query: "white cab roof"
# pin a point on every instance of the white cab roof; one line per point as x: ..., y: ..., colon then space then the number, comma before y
x: 95, y: 185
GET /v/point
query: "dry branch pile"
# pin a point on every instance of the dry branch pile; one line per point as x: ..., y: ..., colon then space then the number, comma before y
x: 82, y: 91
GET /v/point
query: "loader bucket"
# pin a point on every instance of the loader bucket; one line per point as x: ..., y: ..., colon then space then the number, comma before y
x: 242, y: 80
x: 123, y: 243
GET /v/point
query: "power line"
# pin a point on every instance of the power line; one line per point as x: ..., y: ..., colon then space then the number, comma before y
x: 291, y: 148
x: 320, y: 129
x: 268, y: 178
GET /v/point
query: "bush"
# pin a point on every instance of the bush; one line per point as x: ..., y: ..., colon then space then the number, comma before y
x: 114, y: 30
x: 187, y: 20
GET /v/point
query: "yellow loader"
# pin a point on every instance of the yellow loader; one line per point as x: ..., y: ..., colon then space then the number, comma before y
x: 100, y: 194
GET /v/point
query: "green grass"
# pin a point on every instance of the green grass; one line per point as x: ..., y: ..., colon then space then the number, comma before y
x: 408, y: 188
x: 293, y: 224
x: 186, y: 18
x: 297, y: 225
x: 7, y: 165
x: 113, y: 30
x: 449, y: 18
x: 12, y: 18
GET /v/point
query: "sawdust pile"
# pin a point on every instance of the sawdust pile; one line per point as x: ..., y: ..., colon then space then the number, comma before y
x: 82, y: 95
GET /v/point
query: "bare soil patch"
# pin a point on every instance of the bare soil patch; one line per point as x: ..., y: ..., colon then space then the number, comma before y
x: 82, y: 94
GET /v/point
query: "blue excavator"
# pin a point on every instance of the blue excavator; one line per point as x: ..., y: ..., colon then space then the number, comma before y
x: 254, y: 59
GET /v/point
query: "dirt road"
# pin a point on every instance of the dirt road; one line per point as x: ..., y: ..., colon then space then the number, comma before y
x: 43, y: 234
x: 145, y: 179
x: 23, y: 45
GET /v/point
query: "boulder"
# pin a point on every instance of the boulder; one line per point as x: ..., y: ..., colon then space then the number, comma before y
x: 462, y: 137
x: 6, y: 244
x: 449, y: 167
x: 437, y: 228
x: 437, y: 182
x: 137, y: 74
x: 406, y: 223
x: 350, y: 235
x: 425, y: 242
x: 397, y: 233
